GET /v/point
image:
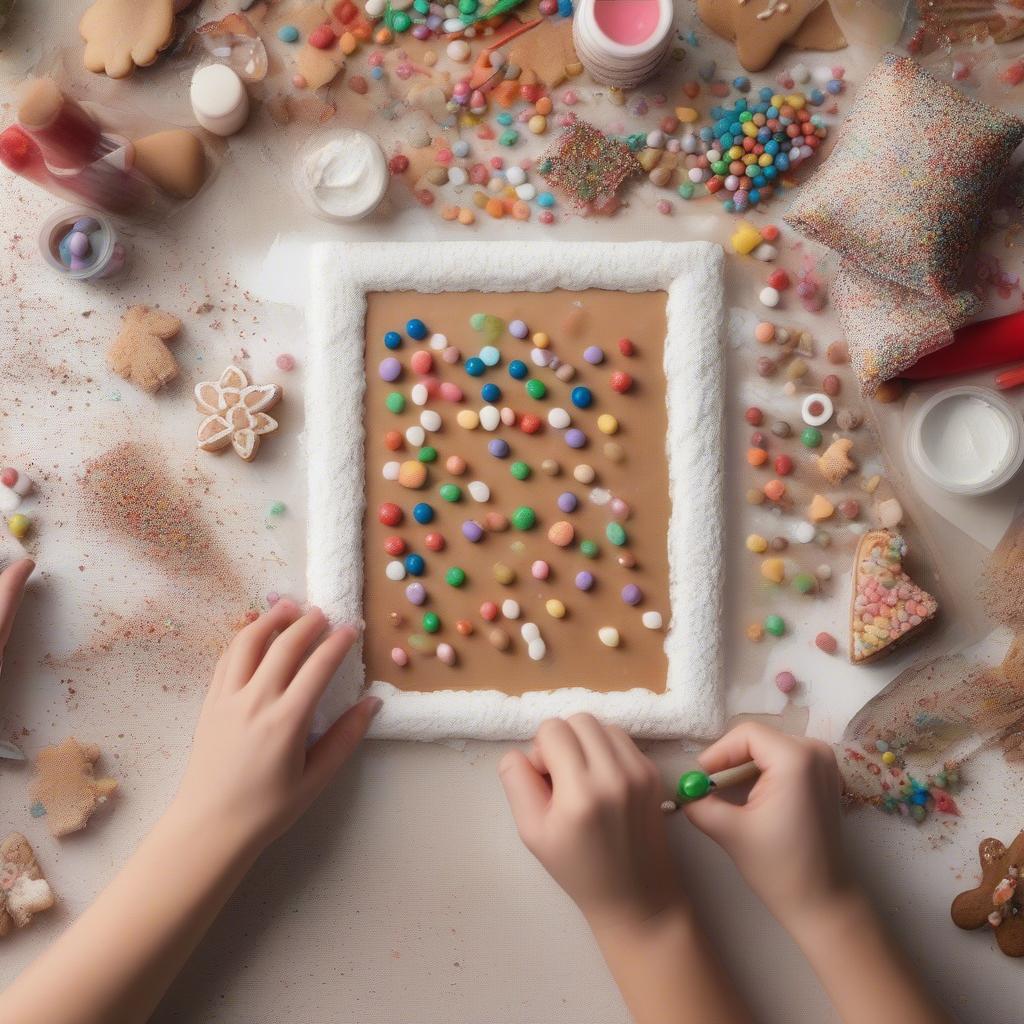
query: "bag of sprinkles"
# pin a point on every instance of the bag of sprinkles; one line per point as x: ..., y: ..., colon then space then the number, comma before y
x: 889, y: 328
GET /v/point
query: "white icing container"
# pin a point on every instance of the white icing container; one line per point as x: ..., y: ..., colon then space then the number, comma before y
x: 623, y: 42
x: 342, y: 176
x: 967, y: 440
x: 219, y: 100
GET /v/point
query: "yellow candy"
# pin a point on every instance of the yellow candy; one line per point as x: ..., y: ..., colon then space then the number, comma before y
x: 538, y: 124
x: 765, y: 160
x: 19, y: 525
x: 468, y: 418
x: 755, y: 632
x: 687, y: 114
x: 888, y: 757
x: 541, y: 340
x: 778, y: 99
x: 749, y: 129
x: 756, y: 543
x: 555, y: 608
x: 735, y: 152
x: 503, y: 574
x: 773, y: 569
x: 746, y: 238
x: 607, y: 423
x: 796, y: 101
x: 820, y: 508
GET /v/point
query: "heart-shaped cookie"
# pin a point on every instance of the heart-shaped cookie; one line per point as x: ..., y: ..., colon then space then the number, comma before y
x: 996, y: 900
x: 887, y: 605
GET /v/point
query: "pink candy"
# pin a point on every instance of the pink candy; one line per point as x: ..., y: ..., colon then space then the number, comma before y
x: 399, y: 657
x: 540, y: 569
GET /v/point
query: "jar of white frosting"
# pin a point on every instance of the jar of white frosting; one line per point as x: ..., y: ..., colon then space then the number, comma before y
x: 341, y: 175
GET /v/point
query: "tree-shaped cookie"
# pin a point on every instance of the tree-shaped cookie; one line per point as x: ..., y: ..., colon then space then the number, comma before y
x: 140, y: 353
x: 998, y: 901
x: 121, y: 35
x: 887, y: 606
x: 23, y: 890
x: 65, y: 788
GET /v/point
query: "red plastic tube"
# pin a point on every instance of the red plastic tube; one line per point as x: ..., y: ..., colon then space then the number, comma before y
x: 975, y: 347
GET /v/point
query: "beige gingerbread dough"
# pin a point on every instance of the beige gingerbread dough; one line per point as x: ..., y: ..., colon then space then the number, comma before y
x: 760, y: 27
x: 174, y: 160
x: 65, y: 787
x: 23, y: 890
x: 121, y: 35
x: 140, y: 354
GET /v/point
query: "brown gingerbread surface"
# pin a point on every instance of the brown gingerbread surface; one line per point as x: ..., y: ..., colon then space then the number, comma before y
x: 630, y: 464
x: 997, y: 900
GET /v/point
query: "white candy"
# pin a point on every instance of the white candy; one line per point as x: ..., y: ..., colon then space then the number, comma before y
x: 540, y: 356
x: 584, y: 474
x: 458, y: 49
x: 479, y: 491
x: 22, y: 485
x: 821, y: 418
x: 769, y: 297
x: 656, y: 139
x: 599, y: 496
x: 526, y: 192
x: 804, y: 533
x: 510, y: 608
x: 530, y: 631
x: 438, y: 342
x: 823, y: 572
x: 419, y: 394
x: 713, y: 156
x: 430, y: 420
x: 415, y: 436
x: 515, y: 175
x: 9, y: 499
x: 651, y: 620
x: 508, y: 416
x: 457, y: 176
x: 559, y: 419
x: 495, y: 185
x: 489, y: 417
x: 690, y: 143
x: 395, y: 571
x: 446, y: 654
x: 609, y: 636
x: 800, y: 73
x: 765, y: 252
x: 536, y: 650
x: 391, y: 470
x: 695, y: 174
x: 375, y: 8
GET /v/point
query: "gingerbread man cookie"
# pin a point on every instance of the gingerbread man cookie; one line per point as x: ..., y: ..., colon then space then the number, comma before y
x: 140, y: 354
x: 997, y: 901
x: 236, y: 413
x: 65, y: 788
x: 23, y: 890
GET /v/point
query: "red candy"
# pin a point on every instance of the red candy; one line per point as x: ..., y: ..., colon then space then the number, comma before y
x: 393, y: 440
x: 626, y: 346
x: 394, y: 546
x: 826, y: 642
x: 779, y: 279
x: 754, y: 416
x: 783, y: 465
x: 322, y: 37
x: 434, y: 541
x: 389, y: 514
x: 398, y: 164
x: 422, y: 362
x: 529, y: 423
x: 620, y: 381
x: 464, y: 627
x: 8, y: 476
x: 770, y: 233
x: 489, y: 611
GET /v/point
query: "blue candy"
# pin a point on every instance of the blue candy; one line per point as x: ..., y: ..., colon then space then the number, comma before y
x: 490, y: 393
x: 392, y: 339
x: 422, y: 513
x: 475, y: 366
x: 517, y: 369
x: 414, y: 564
x: 416, y: 329
x: 581, y: 397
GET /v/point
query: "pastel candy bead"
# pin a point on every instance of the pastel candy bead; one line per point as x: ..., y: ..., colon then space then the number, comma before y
x: 446, y: 654
x: 468, y: 419
x: 555, y: 608
x: 517, y: 328
x: 430, y: 420
x: 420, y: 394
x: 395, y: 571
x: 651, y: 620
x: 567, y: 501
x: 510, y: 608
x: 540, y: 570
x: 609, y: 636
x: 575, y: 438
x: 559, y: 419
x: 584, y: 580
x: 498, y: 448
x: 490, y: 417
x: 561, y: 534
x: 472, y: 531
x: 479, y: 491
x: 632, y: 594
x: 416, y: 593
x: 412, y: 474
x: 78, y: 244
x: 390, y: 369
x: 593, y: 355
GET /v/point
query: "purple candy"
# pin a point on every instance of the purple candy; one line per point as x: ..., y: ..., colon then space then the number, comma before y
x: 472, y: 531
x: 416, y: 593
x: 498, y: 448
x: 78, y: 244
x: 584, y: 580
x: 518, y: 329
x: 390, y: 369
x: 593, y: 355
x: 86, y: 225
x: 632, y: 594
x: 575, y: 438
x: 567, y: 501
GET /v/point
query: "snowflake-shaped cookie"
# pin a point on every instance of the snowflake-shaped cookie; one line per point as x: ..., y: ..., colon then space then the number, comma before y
x: 236, y: 413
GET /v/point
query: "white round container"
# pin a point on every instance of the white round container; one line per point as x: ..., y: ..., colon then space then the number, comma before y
x: 967, y: 440
x: 341, y: 175
x: 612, y: 62
x: 219, y: 100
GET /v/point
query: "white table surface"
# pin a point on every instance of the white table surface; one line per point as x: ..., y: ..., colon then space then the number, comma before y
x: 404, y: 896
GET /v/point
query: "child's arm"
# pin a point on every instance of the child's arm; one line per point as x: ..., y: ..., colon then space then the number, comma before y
x: 249, y: 778
x: 12, y: 587
x: 785, y: 841
x: 587, y: 805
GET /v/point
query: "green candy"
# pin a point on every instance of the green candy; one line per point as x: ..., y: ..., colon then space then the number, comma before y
x: 810, y: 437
x: 687, y: 189
x: 535, y: 388
x: 775, y: 625
x: 588, y: 549
x: 427, y: 454
x: 468, y: 6
x: 509, y: 137
x: 455, y: 576
x: 276, y: 508
x: 616, y: 534
x: 421, y: 6
x: 400, y: 21
x: 431, y: 623
x: 395, y: 402
x: 693, y: 785
x: 520, y: 470
x: 450, y: 492
x: 524, y: 518
x: 804, y: 583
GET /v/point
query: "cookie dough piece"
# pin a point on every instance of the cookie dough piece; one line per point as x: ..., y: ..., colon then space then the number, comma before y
x: 236, y: 413
x: 140, y: 353
x: 997, y: 901
x: 65, y: 788
x: 23, y: 890
x: 760, y: 27
x: 121, y: 35
x: 174, y: 161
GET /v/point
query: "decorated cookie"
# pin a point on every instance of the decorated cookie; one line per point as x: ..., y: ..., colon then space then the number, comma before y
x: 121, y: 35
x: 65, y: 788
x: 760, y: 27
x: 887, y: 605
x: 140, y: 353
x: 236, y: 413
x: 997, y: 901
x: 23, y: 890
x: 835, y: 464
x: 174, y: 160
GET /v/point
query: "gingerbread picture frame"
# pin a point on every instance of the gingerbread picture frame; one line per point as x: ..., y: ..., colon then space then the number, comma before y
x: 690, y: 276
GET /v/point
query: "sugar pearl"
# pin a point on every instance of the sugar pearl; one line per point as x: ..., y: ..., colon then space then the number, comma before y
x: 510, y: 608
x: 419, y: 394
x: 584, y: 474
x: 479, y: 491
x: 769, y: 297
x: 430, y: 420
x: 489, y: 417
x: 391, y: 470
x: 609, y: 636
x: 415, y: 435
x: 651, y: 620
x: 559, y: 419
x: 395, y: 571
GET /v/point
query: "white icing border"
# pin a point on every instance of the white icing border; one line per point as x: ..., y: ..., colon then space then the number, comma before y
x: 691, y: 274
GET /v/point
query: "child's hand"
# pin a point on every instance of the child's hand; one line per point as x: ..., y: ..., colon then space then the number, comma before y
x: 250, y: 775
x: 12, y: 587
x: 785, y: 838
x: 587, y: 805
